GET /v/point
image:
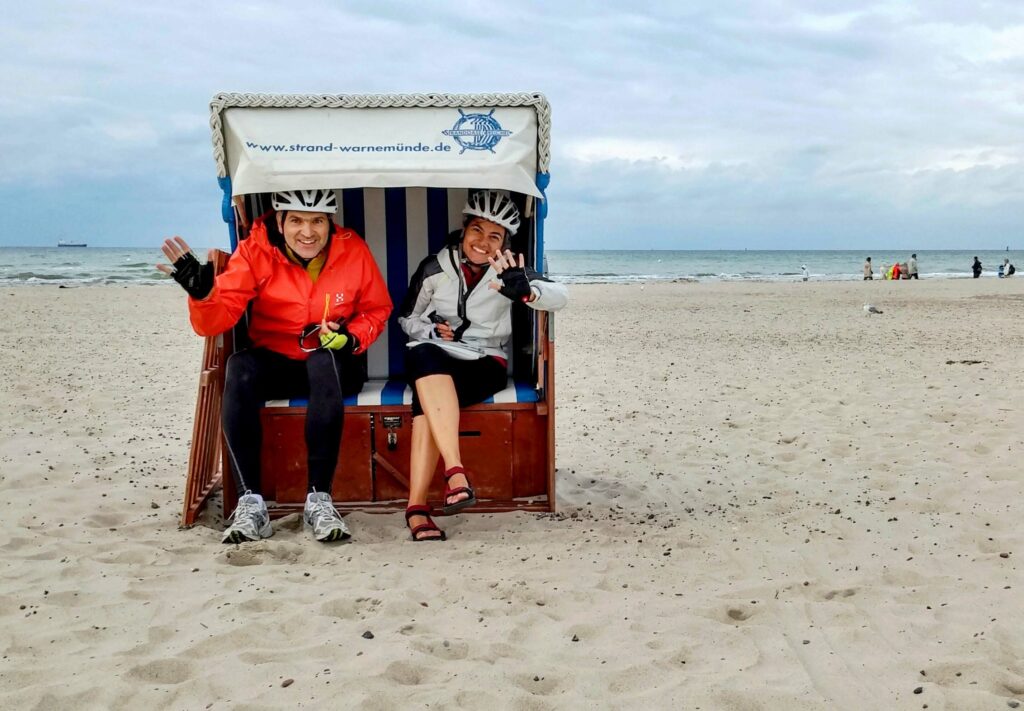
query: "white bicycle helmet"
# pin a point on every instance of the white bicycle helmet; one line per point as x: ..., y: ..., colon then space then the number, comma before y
x: 495, y: 207
x: 305, y: 201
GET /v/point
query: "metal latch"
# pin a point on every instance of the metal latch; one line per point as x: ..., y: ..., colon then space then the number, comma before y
x: 392, y: 423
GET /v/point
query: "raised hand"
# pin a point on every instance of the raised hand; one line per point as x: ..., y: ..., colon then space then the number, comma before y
x: 514, y: 283
x: 194, y: 277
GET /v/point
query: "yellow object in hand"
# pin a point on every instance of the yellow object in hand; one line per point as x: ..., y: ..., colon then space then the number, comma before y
x: 333, y: 341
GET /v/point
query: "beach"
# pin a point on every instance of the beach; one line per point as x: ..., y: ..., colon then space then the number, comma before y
x: 767, y: 499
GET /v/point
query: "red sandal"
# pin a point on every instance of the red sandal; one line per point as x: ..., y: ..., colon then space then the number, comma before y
x: 470, y: 499
x: 428, y: 526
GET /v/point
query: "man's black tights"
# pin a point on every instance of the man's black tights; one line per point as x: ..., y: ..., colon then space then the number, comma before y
x: 256, y: 375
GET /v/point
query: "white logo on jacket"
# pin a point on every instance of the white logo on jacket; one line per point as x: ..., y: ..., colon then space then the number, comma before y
x: 339, y: 298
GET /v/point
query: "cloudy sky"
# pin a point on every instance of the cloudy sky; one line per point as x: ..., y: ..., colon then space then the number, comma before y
x: 697, y: 125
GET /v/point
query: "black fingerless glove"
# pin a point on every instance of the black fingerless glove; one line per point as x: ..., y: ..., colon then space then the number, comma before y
x: 195, y: 278
x: 514, y: 284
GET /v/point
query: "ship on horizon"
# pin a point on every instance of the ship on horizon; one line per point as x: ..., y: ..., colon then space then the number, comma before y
x: 69, y: 243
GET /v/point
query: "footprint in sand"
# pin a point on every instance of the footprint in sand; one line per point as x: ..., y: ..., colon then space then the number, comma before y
x: 163, y: 671
x: 832, y: 594
x: 241, y: 557
x: 260, y: 604
x: 105, y: 520
x: 261, y: 552
x: 633, y: 679
x: 405, y: 673
x: 141, y: 556
x: 349, y: 609
x: 447, y: 650
x: 738, y: 614
x: 541, y: 683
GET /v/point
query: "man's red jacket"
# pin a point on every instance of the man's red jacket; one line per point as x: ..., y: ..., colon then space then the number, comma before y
x: 285, y: 300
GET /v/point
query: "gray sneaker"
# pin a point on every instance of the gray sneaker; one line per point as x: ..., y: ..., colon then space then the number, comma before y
x: 321, y: 517
x: 250, y: 520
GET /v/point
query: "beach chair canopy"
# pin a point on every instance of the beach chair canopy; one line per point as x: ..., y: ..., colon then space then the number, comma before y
x: 270, y: 142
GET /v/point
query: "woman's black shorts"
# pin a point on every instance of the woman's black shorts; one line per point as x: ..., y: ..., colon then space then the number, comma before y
x: 475, y: 380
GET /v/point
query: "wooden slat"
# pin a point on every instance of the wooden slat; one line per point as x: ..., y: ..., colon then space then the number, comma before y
x: 386, y: 466
x: 549, y: 397
x: 203, y: 466
x: 538, y: 504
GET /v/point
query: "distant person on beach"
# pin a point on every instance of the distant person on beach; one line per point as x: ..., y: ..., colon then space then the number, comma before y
x: 1006, y: 269
x: 896, y: 270
x: 294, y: 263
x: 912, y: 267
x: 976, y: 268
x: 868, y: 272
x: 803, y: 270
x: 458, y: 316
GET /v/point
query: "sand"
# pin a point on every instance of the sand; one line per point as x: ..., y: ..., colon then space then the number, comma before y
x: 767, y: 500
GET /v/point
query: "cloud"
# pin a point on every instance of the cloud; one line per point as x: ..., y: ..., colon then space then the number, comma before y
x: 733, y: 122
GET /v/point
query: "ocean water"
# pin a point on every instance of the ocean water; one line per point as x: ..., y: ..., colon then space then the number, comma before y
x: 111, y: 265
x: 80, y: 265
x: 758, y: 265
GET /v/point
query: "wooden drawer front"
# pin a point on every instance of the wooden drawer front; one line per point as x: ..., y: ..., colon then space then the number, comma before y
x: 284, y: 458
x: 485, y: 439
x: 529, y: 459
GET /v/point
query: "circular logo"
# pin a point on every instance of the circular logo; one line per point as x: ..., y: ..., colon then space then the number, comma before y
x: 477, y: 132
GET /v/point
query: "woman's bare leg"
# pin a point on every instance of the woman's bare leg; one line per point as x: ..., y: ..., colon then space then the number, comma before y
x: 422, y: 461
x: 441, y: 407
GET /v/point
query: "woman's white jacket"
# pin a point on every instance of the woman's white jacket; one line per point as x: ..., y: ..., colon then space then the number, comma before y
x: 481, y: 317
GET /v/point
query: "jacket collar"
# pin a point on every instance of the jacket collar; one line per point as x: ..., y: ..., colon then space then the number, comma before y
x: 450, y: 259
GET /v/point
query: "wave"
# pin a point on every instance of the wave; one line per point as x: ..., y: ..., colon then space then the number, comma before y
x: 81, y: 279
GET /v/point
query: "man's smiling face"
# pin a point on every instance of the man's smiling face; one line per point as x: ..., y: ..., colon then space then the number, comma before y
x: 304, y: 232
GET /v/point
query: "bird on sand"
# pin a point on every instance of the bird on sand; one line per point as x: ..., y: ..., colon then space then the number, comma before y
x: 871, y: 309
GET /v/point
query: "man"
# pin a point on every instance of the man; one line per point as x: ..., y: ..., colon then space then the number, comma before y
x: 318, y: 300
x: 912, y: 267
x: 868, y: 273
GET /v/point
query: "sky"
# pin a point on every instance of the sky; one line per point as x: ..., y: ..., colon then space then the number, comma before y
x: 696, y: 125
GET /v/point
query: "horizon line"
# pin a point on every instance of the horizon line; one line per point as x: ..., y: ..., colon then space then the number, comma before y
x: 911, y: 250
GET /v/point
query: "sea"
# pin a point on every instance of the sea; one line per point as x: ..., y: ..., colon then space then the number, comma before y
x: 76, y: 266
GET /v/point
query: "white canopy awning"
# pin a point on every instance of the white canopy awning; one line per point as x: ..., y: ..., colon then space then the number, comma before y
x: 271, y: 143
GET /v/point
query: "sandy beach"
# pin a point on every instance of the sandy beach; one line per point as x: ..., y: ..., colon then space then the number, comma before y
x: 767, y: 500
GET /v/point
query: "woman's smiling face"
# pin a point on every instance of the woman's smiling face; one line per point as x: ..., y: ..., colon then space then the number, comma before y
x: 482, y: 239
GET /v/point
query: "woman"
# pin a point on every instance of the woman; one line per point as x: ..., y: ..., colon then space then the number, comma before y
x: 317, y: 300
x: 458, y: 313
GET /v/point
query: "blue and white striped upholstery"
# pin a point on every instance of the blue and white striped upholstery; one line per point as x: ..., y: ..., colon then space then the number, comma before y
x: 397, y: 392
x: 401, y: 226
